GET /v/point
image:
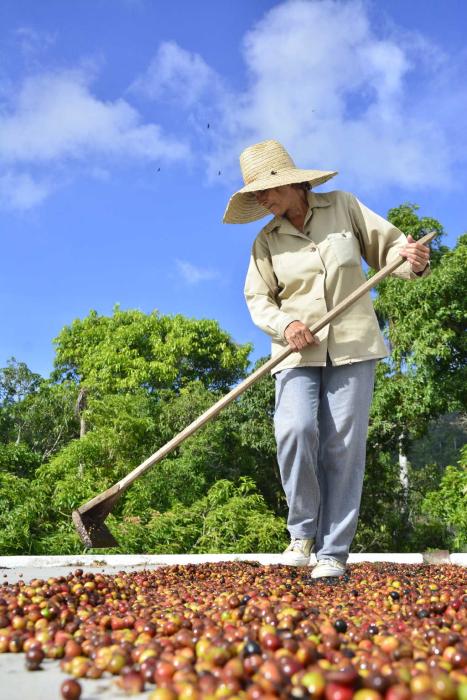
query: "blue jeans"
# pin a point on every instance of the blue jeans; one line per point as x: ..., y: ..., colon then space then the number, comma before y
x: 321, y: 426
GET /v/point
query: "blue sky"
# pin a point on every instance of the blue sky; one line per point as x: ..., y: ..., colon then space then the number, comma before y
x: 110, y: 189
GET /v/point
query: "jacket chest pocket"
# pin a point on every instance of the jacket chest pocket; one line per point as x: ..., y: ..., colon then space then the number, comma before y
x: 345, y: 248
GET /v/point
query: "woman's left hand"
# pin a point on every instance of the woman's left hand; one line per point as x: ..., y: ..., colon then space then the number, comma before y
x: 416, y: 253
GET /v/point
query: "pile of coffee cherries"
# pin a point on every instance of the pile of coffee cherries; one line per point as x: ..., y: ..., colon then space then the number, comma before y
x: 243, y: 631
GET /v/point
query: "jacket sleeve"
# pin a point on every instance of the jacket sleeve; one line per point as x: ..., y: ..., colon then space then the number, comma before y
x: 261, y: 290
x: 380, y: 240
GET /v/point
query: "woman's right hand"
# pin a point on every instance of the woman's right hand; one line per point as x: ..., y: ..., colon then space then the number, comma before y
x: 298, y: 336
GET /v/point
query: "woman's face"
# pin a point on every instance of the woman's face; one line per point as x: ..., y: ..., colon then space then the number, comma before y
x: 279, y: 200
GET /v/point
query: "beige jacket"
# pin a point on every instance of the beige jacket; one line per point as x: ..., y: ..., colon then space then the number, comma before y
x: 300, y: 276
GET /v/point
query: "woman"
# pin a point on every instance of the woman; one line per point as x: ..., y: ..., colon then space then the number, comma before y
x: 303, y: 262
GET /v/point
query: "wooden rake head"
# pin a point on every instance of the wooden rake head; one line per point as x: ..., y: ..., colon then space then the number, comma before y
x: 89, y: 519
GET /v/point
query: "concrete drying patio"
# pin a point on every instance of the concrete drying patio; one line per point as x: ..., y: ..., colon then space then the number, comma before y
x: 16, y: 683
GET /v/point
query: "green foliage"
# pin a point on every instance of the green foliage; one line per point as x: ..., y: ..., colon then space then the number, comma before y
x: 36, y: 411
x: 16, y: 382
x: 22, y: 512
x: 132, y: 350
x: 426, y: 374
x: 130, y: 419
x: 448, y: 504
x: 18, y: 459
x: 440, y: 445
x: 422, y: 380
x: 170, y: 482
x: 252, y: 418
x: 13, y: 490
x: 237, y: 520
x: 406, y: 219
x: 381, y: 506
x: 223, y: 448
x: 139, y: 398
x: 47, y: 420
x: 232, y: 517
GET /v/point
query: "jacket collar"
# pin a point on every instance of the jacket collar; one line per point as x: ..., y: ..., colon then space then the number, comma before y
x: 318, y: 199
x: 315, y: 200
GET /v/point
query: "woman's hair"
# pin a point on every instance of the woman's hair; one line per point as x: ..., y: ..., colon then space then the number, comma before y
x: 302, y: 186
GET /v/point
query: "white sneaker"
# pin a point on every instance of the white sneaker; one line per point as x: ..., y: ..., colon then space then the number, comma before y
x: 328, y: 567
x: 298, y: 552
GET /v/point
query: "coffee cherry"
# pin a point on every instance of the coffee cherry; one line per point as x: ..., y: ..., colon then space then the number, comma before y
x: 70, y: 689
x: 242, y: 630
x: 314, y: 683
x: 132, y: 683
x: 251, y: 648
x: 335, y: 691
x: 340, y: 625
x: 34, y: 658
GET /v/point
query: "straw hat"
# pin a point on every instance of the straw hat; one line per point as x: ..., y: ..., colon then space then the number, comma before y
x: 264, y: 165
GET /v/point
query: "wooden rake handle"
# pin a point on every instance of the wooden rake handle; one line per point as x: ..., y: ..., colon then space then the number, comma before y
x: 260, y: 372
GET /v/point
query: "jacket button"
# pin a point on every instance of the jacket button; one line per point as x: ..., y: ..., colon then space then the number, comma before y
x: 321, y: 272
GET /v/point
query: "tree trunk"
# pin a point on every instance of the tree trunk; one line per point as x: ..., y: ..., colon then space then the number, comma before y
x: 403, y: 468
x: 81, y: 404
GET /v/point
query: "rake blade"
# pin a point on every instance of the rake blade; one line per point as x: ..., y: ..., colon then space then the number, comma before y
x: 93, y: 532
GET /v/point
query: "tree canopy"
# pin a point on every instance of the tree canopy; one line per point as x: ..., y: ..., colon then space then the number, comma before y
x: 131, y: 350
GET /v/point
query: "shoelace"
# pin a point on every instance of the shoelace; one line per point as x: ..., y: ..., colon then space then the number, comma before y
x: 296, y: 544
x: 329, y: 562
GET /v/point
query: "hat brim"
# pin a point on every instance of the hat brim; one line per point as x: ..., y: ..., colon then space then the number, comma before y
x: 243, y: 207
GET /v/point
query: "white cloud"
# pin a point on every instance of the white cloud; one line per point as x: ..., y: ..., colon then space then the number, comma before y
x: 335, y: 93
x: 32, y: 42
x: 337, y: 90
x: 193, y: 274
x: 55, y: 120
x: 56, y: 117
x: 21, y: 191
x: 100, y: 174
x: 176, y: 74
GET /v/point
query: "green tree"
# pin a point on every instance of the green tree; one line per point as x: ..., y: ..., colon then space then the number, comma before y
x: 448, y: 504
x: 148, y: 377
x: 35, y: 412
x: 48, y: 417
x: 252, y: 417
x: 231, y: 517
x: 425, y: 376
x: 17, y: 382
x: 18, y: 459
x: 226, y: 448
x: 24, y: 513
x: 423, y: 379
x: 131, y: 350
x: 442, y: 442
